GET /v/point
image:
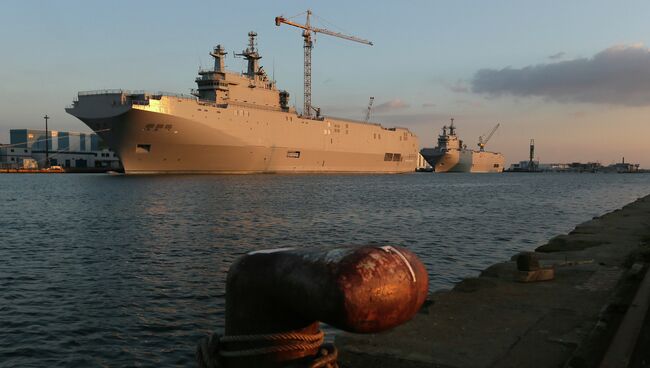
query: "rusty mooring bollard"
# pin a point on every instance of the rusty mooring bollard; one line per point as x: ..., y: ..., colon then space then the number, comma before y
x: 529, y: 269
x: 527, y: 261
x: 275, y: 300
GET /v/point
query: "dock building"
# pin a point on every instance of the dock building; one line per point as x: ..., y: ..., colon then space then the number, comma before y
x: 70, y: 150
x: 575, y: 167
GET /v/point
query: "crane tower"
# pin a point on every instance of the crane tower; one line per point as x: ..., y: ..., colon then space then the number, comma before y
x: 372, y: 99
x: 307, y: 30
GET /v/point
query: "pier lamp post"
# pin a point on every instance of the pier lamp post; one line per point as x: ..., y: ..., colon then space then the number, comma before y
x: 47, y: 158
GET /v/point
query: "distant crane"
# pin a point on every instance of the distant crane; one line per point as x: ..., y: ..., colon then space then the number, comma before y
x: 483, y: 141
x: 306, y: 34
x: 372, y: 99
x: 531, y: 157
x: 47, y: 144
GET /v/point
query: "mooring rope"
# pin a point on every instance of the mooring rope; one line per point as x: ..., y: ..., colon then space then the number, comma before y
x: 297, y: 336
x: 211, y: 351
x: 327, y: 357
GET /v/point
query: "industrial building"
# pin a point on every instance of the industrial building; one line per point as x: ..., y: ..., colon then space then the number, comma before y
x: 533, y: 165
x: 575, y: 167
x: 70, y: 150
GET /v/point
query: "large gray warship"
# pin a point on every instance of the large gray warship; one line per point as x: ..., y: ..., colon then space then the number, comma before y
x: 451, y: 155
x: 237, y: 123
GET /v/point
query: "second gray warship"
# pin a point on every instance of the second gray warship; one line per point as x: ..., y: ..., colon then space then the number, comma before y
x: 451, y: 155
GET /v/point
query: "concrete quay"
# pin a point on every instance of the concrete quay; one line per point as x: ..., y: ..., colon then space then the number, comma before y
x: 571, y: 321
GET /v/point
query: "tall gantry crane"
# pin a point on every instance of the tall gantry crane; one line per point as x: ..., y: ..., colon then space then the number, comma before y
x: 307, y: 30
x: 483, y: 141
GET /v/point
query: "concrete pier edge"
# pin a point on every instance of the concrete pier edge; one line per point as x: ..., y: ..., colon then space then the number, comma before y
x: 494, y: 321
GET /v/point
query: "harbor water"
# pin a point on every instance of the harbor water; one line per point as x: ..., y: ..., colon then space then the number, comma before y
x: 102, y: 270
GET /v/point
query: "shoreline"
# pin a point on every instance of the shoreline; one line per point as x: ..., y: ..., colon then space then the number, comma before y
x: 492, y: 320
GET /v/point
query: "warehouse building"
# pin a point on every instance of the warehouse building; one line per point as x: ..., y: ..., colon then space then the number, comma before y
x: 70, y: 150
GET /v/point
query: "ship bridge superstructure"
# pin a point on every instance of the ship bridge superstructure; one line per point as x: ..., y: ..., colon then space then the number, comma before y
x: 449, y: 141
x: 253, y: 87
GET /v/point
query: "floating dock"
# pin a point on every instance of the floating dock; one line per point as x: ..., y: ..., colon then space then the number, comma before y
x: 574, y: 320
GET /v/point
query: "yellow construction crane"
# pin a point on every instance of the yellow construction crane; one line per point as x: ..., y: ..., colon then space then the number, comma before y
x: 306, y: 34
x: 483, y: 141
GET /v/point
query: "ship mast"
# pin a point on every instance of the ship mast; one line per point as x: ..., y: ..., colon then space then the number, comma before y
x: 308, y: 45
x: 252, y: 56
x: 219, y: 55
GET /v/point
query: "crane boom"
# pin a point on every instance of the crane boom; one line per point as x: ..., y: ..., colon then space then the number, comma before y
x: 307, y: 27
x: 341, y: 35
x: 492, y: 132
x: 306, y: 34
x: 483, y: 141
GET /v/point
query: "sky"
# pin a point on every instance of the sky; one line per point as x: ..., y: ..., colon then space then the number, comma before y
x: 573, y: 75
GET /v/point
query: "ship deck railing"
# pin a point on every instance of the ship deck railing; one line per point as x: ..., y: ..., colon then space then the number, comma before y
x: 136, y: 92
x: 177, y: 95
x: 211, y: 70
x: 395, y: 128
x: 211, y: 103
x: 101, y: 92
x: 255, y: 106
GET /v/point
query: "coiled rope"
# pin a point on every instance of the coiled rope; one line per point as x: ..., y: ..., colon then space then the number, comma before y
x: 211, y: 351
x: 291, y: 341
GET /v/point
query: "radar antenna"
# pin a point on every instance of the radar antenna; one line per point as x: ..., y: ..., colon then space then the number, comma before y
x: 252, y: 56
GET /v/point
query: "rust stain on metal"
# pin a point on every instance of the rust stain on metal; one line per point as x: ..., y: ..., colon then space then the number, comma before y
x: 406, y: 262
x: 363, y: 289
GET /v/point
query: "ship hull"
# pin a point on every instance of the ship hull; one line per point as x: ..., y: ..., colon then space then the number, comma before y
x: 171, y: 137
x: 464, y: 161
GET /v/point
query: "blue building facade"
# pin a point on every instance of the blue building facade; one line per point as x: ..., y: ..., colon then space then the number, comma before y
x: 67, y: 149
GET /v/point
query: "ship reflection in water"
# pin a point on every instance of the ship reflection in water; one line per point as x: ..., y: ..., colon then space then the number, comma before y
x: 130, y: 270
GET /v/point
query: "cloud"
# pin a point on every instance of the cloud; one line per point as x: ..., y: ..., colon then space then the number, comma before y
x: 578, y: 114
x: 559, y: 55
x: 468, y: 103
x: 619, y: 75
x: 458, y: 87
x: 391, y: 105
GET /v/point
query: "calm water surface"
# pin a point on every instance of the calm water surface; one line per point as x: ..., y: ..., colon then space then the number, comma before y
x: 100, y: 270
